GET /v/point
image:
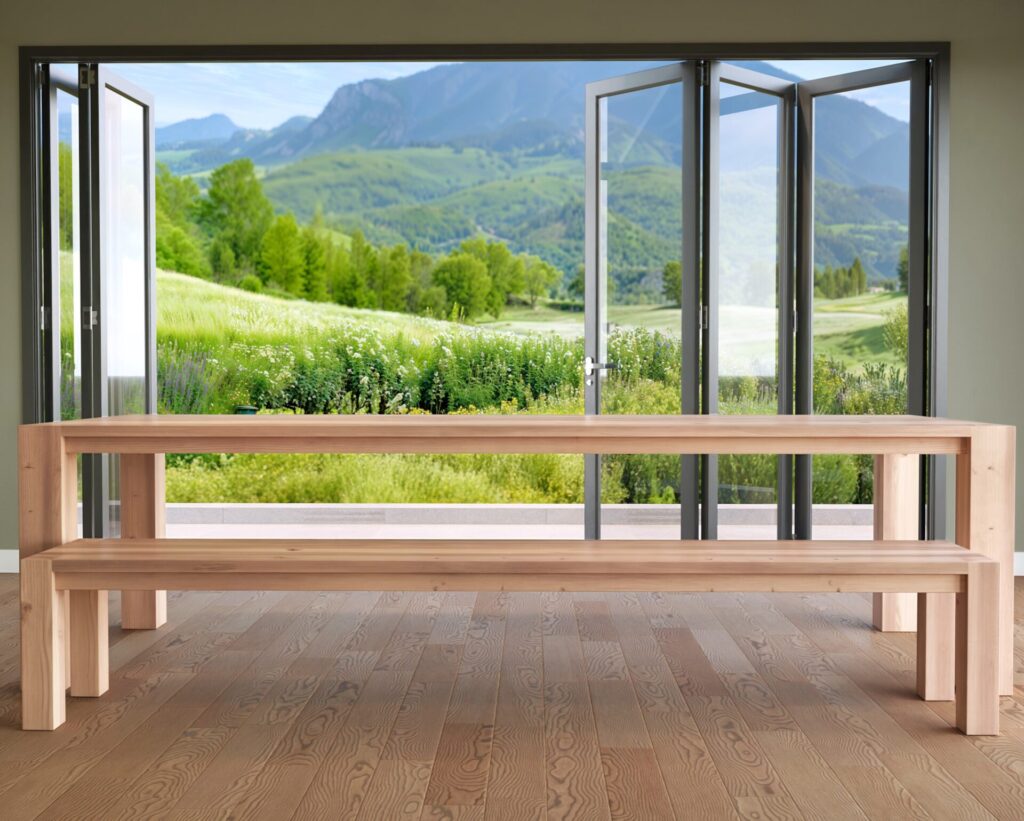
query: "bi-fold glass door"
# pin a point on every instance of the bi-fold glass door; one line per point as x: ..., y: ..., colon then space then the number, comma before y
x: 101, y: 341
x: 642, y: 158
x: 741, y: 191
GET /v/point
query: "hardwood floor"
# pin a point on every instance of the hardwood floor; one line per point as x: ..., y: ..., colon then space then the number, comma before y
x: 506, y: 706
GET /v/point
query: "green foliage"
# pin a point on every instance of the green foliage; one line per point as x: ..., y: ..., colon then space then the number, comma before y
x: 222, y: 259
x: 282, y: 257
x: 65, y: 204
x: 251, y: 283
x: 395, y: 278
x: 178, y: 242
x: 315, y: 251
x: 538, y: 279
x: 903, y: 269
x: 177, y: 250
x: 380, y: 479
x: 576, y: 287
x: 896, y: 331
x: 359, y: 271
x: 219, y: 348
x: 672, y: 282
x: 466, y: 283
x: 839, y: 283
x: 236, y: 212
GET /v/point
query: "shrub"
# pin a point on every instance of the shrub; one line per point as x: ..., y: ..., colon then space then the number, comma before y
x: 251, y: 283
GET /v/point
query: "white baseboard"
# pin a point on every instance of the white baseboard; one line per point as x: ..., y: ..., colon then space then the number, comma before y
x: 9, y: 562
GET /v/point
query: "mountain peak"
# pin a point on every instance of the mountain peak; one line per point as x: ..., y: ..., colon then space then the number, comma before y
x: 196, y: 129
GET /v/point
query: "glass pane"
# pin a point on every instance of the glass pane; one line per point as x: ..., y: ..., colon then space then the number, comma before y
x: 70, y: 297
x: 748, y: 187
x: 640, y: 227
x: 861, y: 212
x: 124, y: 213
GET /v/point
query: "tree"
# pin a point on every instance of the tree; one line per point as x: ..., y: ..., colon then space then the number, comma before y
x: 177, y: 250
x: 314, y: 252
x: 859, y: 278
x: 672, y: 282
x: 236, y: 211
x: 466, y: 284
x: 361, y: 271
x: 903, y: 269
x: 338, y: 271
x: 282, y: 261
x: 576, y: 287
x: 895, y: 332
x: 176, y: 197
x: 504, y: 269
x: 178, y: 242
x: 395, y: 278
x: 222, y: 259
x: 538, y: 277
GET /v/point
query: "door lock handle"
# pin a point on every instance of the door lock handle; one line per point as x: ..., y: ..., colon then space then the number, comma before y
x: 590, y: 367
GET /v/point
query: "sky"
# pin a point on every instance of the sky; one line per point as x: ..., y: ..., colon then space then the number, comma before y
x: 263, y: 95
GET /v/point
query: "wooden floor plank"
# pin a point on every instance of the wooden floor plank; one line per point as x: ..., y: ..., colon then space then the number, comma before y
x: 506, y: 706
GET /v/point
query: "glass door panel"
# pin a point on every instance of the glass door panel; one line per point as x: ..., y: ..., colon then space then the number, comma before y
x: 121, y: 378
x: 638, y: 283
x: 747, y: 283
x: 860, y: 283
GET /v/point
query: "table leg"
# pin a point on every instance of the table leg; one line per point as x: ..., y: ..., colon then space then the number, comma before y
x: 48, y: 509
x: 142, y: 517
x: 896, y: 493
x: 985, y: 498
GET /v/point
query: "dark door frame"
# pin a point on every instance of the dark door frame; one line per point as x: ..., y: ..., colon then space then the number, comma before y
x: 33, y: 61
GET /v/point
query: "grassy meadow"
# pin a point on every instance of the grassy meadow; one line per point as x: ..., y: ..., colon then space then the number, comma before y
x: 221, y: 347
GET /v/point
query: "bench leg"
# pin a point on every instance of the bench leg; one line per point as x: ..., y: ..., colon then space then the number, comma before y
x: 977, y: 652
x: 142, y: 517
x: 42, y: 647
x: 897, y: 488
x: 90, y: 665
x: 936, y: 646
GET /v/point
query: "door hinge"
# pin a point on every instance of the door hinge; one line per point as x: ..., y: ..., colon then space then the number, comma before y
x: 702, y: 74
x: 44, y: 318
x: 86, y: 76
x: 702, y: 317
x: 90, y: 318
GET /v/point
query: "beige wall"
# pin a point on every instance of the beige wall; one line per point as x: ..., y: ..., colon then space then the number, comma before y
x: 987, y: 140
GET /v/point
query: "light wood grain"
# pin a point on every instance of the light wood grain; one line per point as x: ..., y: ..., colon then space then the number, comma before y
x: 497, y: 434
x: 90, y: 659
x: 985, y: 507
x: 142, y: 517
x: 42, y: 647
x: 896, y: 495
x: 140, y: 751
x: 977, y: 657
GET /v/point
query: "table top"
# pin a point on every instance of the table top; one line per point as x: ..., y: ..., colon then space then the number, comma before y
x: 421, y: 433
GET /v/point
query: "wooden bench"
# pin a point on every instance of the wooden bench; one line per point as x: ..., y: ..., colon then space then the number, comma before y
x: 84, y: 567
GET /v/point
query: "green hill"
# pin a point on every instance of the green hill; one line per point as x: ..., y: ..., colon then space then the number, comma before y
x: 435, y: 197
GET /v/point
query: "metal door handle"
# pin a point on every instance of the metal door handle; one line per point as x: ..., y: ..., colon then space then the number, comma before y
x: 590, y: 366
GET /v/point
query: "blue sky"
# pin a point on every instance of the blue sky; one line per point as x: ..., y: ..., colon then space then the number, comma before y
x: 263, y: 95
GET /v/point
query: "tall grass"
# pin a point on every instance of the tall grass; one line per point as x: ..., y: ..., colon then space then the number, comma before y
x: 219, y: 348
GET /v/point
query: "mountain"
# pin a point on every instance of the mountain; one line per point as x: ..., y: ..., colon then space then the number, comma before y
x: 244, y: 142
x: 215, y: 127
x: 538, y: 107
x: 434, y: 157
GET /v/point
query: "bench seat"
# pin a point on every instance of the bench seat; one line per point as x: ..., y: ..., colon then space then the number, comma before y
x: 89, y: 567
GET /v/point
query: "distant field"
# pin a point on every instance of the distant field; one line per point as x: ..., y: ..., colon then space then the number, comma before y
x: 849, y: 330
